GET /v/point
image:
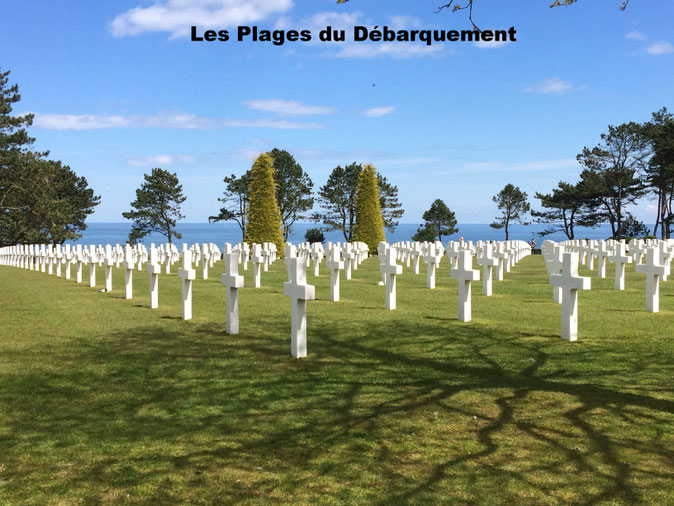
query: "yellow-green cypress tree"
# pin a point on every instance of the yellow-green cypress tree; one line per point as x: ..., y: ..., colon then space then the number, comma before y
x: 369, y: 222
x: 264, y: 217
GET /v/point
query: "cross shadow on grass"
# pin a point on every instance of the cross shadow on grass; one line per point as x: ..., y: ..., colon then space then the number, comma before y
x: 394, y: 412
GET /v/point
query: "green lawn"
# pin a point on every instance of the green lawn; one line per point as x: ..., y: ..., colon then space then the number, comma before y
x: 103, y: 400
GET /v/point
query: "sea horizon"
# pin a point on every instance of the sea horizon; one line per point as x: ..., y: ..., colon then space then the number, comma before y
x: 100, y: 232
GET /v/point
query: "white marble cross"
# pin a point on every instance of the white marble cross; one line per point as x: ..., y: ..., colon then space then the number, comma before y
x: 204, y: 261
x: 570, y: 282
x: 653, y: 271
x: 555, y: 265
x: 390, y: 270
x: 335, y: 264
x: 637, y: 249
x: 118, y: 255
x: 50, y: 260
x: 502, y: 258
x: 466, y: 275
x: 299, y: 292
x: 154, y: 269
x: 43, y: 253
x: 128, y: 272
x: 233, y: 281
x: 415, y: 256
x: 432, y: 261
x: 245, y: 253
x: 69, y: 260
x: 666, y: 255
x: 488, y: 262
x: 168, y: 254
x: 620, y: 258
x: 258, y: 259
x: 79, y: 260
x: 591, y: 254
x: 317, y: 256
x: 290, y: 252
x: 188, y: 275
x: 266, y: 252
x: 348, y: 256
x: 602, y: 254
x: 452, y: 253
x: 58, y: 259
x: 109, y: 262
x: 92, y: 265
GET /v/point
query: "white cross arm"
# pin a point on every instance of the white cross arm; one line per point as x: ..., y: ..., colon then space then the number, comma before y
x: 295, y: 291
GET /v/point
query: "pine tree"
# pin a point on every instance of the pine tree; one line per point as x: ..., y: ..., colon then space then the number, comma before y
x: 512, y: 202
x: 337, y: 200
x: 369, y: 222
x: 264, y: 217
x: 157, y: 206
x: 40, y: 200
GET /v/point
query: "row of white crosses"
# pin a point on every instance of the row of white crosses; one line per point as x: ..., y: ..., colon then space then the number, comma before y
x: 651, y: 257
x: 297, y: 287
x: 460, y: 256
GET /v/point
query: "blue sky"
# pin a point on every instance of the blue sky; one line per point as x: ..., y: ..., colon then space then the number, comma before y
x: 118, y: 88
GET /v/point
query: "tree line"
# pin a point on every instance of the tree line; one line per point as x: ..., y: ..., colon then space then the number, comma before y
x: 631, y: 161
x: 267, y: 199
x: 43, y: 200
x: 294, y: 195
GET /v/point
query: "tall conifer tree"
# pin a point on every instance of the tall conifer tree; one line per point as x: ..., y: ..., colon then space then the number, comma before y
x: 264, y: 217
x: 157, y: 206
x: 369, y: 222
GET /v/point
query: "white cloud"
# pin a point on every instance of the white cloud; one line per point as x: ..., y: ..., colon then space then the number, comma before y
x: 553, y: 86
x: 660, y: 47
x: 397, y: 50
x: 492, y: 44
x: 288, y: 107
x: 161, y: 160
x: 269, y: 123
x: 376, y: 112
x: 366, y: 50
x: 317, y: 22
x: 636, y: 35
x: 162, y: 120
x: 176, y: 16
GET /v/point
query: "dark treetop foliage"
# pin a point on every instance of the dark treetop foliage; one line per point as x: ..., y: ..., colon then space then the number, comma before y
x: 337, y: 199
x: 235, y: 199
x: 45, y: 202
x: 313, y: 235
x: 612, y: 173
x: 293, y: 193
x: 633, y: 228
x: 40, y: 200
x: 659, y: 172
x: 440, y: 220
x: 425, y: 233
x: 13, y: 135
x: 567, y: 207
x: 293, y: 189
x: 157, y: 206
x: 512, y: 202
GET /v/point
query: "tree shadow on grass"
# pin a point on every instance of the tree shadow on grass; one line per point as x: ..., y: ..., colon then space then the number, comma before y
x: 152, y: 406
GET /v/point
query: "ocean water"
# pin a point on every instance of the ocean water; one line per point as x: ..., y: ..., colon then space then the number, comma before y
x: 220, y: 233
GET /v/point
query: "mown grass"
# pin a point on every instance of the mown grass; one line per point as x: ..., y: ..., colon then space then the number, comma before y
x: 103, y: 400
